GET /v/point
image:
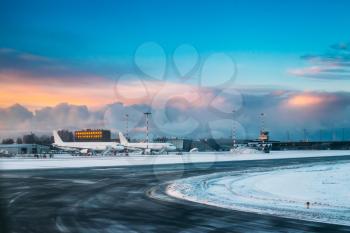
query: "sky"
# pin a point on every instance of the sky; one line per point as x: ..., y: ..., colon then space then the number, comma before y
x: 77, y: 64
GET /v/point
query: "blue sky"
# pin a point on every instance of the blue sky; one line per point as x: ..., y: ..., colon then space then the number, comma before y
x: 62, y: 49
x: 116, y: 28
x: 266, y: 36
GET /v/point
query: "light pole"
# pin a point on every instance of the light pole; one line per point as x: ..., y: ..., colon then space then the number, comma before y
x: 233, y: 130
x: 305, y: 135
x: 263, y: 134
x: 147, y: 114
x: 127, y: 132
x: 262, y: 122
x: 127, y: 125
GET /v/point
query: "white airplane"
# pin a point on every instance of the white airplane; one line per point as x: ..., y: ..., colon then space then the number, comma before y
x: 146, y: 147
x: 84, y: 147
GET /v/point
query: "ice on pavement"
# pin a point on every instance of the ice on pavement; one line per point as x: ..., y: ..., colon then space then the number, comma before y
x: 67, y: 161
x: 283, y: 192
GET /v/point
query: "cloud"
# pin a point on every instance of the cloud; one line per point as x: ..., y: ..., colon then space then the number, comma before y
x: 17, y: 118
x: 313, y: 70
x: 285, y: 111
x: 14, y: 60
x: 308, y: 100
x: 95, y: 91
x: 36, y: 93
x: 41, y: 67
x: 334, y: 64
x: 14, y: 117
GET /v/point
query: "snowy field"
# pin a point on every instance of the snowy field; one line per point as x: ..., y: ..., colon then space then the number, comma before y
x: 67, y: 161
x: 283, y: 191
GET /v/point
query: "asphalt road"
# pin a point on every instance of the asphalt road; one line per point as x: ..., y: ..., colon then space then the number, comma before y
x: 131, y: 199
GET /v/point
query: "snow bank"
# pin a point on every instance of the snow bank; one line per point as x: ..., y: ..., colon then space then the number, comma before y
x: 210, y: 157
x: 283, y: 192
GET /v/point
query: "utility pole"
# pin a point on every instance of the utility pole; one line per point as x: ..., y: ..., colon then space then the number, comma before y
x: 147, y: 114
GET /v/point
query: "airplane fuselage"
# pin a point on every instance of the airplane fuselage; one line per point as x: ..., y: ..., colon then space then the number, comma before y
x: 151, y: 146
x: 95, y: 146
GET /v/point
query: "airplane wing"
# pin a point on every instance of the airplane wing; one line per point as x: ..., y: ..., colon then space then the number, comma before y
x: 131, y: 148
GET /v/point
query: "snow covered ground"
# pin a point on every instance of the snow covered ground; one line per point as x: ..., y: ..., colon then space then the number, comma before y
x: 67, y: 161
x: 283, y: 191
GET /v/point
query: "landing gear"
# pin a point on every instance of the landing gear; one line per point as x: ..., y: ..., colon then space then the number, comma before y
x: 266, y: 148
x: 147, y: 152
x: 126, y: 152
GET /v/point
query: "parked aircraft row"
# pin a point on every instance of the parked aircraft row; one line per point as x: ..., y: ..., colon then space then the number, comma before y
x: 104, y: 147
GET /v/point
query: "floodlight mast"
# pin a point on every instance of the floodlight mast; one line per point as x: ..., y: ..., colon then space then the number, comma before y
x: 147, y: 114
x: 233, y: 130
x: 127, y: 125
x: 262, y: 115
x: 127, y: 132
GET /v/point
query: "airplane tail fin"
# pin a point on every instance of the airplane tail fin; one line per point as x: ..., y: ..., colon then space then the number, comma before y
x: 57, y: 139
x: 122, y: 139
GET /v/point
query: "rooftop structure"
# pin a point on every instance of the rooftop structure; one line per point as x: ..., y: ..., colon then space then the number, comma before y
x: 98, y: 135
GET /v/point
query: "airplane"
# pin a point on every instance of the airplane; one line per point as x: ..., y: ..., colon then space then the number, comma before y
x: 146, y: 147
x: 85, y: 147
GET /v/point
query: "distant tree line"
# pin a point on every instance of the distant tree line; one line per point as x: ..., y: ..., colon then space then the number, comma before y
x: 66, y: 136
x: 30, y: 139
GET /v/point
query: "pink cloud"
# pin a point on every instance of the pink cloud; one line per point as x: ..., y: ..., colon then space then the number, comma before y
x: 94, y: 91
x: 31, y: 57
x: 309, y: 100
x: 313, y: 70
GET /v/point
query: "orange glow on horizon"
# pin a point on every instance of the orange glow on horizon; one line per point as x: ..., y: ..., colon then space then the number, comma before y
x: 35, y: 97
x: 94, y: 92
x: 305, y: 100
